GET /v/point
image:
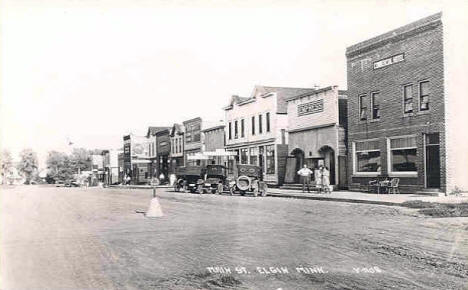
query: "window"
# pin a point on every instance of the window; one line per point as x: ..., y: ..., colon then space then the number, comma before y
x: 260, y: 128
x: 253, y: 125
x: 424, y: 96
x: 375, y: 106
x: 253, y: 155
x: 408, y: 99
x: 363, y: 108
x: 235, y: 130
x: 242, y: 128
x: 268, y: 122
x: 230, y: 131
x: 367, y: 156
x: 270, y: 159
x: 403, y: 152
x: 243, y: 156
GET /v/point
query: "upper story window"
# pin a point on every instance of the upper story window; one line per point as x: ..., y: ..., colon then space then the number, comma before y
x: 253, y: 125
x: 424, y: 92
x: 242, y: 129
x: 260, y: 127
x: 267, y: 122
x: 408, y: 99
x: 230, y: 130
x: 363, y: 107
x: 236, y: 132
x: 375, y: 99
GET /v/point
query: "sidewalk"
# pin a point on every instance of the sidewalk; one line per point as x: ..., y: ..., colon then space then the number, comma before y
x: 363, y: 197
x: 342, y: 196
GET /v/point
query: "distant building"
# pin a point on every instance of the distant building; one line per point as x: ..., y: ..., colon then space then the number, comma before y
x: 256, y: 129
x: 176, y: 155
x: 111, y: 166
x: 214, y: 142
x: 317, y: 133
x: 136, y: 158
x: 193, y: 146
x: 153, y: 145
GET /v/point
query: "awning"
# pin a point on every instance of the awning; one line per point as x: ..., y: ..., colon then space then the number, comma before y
x: 220, y: 152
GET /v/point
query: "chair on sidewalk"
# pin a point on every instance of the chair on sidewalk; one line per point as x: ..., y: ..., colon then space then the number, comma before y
x: 372, y: 186
x: 392, y: 187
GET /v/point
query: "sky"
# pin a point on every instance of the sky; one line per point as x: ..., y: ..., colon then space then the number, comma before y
x: 91, y: 71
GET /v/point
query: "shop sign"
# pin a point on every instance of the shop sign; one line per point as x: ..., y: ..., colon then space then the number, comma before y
x: 310, y: 108
x: 389, y: 61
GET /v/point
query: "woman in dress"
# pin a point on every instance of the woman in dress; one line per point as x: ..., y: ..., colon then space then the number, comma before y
x: 326, y: 179
x: 318, y: 178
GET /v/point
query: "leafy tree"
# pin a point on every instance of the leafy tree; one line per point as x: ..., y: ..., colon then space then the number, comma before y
x: 59, y: 167
x: 28, y: 164
x: 6, y: 163
x: 80, y: 159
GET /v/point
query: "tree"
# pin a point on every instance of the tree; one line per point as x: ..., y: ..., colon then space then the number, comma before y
x: 28, y: 164
x: 59, y: 166
x: 80, y: 159
x: 6, y: 163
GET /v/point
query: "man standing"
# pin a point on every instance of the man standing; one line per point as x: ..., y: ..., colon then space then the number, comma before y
x: 305, y: 173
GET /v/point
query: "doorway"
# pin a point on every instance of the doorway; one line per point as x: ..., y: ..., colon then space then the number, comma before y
x: 329, y: 159
x: 432, y: 152
x: 298, y: 156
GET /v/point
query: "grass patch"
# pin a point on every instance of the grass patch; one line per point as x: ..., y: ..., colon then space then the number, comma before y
x: 435, y: 209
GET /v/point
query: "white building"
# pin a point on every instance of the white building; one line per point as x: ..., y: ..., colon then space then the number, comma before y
x: 256, y: 129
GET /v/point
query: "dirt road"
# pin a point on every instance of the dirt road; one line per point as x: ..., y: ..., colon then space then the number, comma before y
x: 73, y: 238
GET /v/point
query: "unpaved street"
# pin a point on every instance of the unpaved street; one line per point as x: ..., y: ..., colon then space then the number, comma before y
x: 76, y: 238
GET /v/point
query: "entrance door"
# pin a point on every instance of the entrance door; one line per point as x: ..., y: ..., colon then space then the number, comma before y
x: 432, y: 161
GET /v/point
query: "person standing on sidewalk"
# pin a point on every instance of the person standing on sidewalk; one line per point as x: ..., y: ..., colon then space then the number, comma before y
x: 305, y: 173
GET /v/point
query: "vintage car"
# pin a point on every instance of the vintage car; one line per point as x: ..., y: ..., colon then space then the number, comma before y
x: 215, y: 179
x: 250, y: 180
x: 189, y: 178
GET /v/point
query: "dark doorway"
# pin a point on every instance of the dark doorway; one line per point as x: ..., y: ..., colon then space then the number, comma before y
x: 432, y: 161
x: 329, y: 158
x: 299, y: 156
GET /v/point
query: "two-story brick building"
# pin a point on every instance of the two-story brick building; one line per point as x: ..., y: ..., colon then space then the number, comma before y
x: 193, y: 146
x: 256, y: 129
x: 317, y: 133
x: 152, y: 142
x: 214, y: 142
x: 396, y: 107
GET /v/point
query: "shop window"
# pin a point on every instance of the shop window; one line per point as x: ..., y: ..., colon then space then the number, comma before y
x: 367, y: 157
x: 424, y: 96
x: 270, y: 159
x: 375, y: 105
x: 243, y: 156
x: 408, y: 99
x: 230, y: 130
x: 267, y: 122
x: 242, y: 129
x: 253, y: 155
x: 253, y: 125
x: 363, y: 107
x: 403, y: 154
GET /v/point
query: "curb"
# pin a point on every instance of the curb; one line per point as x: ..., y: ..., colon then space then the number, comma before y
x: 337, y: 199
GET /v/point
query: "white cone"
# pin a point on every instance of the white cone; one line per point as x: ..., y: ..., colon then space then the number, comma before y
x: 154, y: 209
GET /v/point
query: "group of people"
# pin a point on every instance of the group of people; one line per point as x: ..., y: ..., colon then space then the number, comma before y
x: 321, y: 176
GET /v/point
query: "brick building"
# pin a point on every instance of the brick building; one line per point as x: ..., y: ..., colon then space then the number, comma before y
x: 317, y: 133
x: 152, y: 142
x: 176, y: 156
x: 192, y: 141
x: 214, y: 141
x: 256, y: 129
x: 397, y: 108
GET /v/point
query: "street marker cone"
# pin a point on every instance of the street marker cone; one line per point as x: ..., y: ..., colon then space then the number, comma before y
x: 154, y: 209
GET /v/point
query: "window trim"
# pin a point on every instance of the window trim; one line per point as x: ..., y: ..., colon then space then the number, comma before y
x: 419, y: 96
x: 389, y: 157
x: 403, y: 98
x: 360, y: 106
x: 354, y: 151
x: 372, y: 105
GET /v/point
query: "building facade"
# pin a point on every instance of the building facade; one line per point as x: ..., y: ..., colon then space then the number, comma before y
x: 396, y: 107
x: 255, y: 129
x: 214, y: 142
x: 163, y: 150
x: 176, y: 155
x: 111, y: 166
x: 136, y: 158
x: 317, y: 133
x: 192, y: 141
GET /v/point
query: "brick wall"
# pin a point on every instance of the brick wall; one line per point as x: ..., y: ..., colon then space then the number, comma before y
x: 423, y: 60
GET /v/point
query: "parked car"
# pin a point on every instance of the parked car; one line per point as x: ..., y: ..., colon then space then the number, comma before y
x: 215, y: 179
x: 250, y: 180
x: 190, y: 178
